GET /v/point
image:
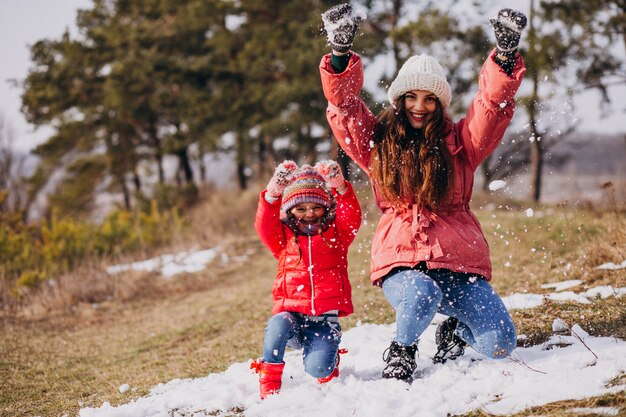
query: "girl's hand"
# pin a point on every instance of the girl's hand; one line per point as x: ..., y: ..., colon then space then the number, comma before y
x: 331, y: 172
x: 281, y: 178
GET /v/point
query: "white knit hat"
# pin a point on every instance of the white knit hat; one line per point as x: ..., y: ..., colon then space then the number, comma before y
x: 421, y: 72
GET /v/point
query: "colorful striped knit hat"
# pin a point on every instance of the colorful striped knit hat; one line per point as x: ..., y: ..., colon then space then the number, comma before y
x: 307, y: 187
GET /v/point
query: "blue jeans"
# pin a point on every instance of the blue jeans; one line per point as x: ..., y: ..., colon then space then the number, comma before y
x: 484, y: 322
x: 318, y: 339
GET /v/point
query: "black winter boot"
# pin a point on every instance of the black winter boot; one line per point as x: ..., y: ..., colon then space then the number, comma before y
x: 449, y: 345
x: 400, y: 361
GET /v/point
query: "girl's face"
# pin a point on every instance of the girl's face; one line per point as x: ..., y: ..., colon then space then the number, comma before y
x: 308, y: 213
x: 419, y: 104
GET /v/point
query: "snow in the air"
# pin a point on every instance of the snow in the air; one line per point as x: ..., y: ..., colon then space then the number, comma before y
x: 496, y: 185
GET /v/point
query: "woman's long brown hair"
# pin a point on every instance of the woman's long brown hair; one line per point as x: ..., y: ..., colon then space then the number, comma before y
x: 412, y: 165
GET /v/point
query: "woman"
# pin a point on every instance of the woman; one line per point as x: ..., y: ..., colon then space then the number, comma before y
x: 429, y: 253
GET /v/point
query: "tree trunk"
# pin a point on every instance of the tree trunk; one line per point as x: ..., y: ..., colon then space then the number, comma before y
x: 241, y: 175
x: 266, y: 157
x: 136, y: 180
x: 241, y: 161
x: 536, y: 163
x: 308, y: 145
x: 334, y: 146
x: 344, y: 162
x: 536, y: 149
x: 158, y: 152
x: 201, y: 163
x: 397, y: 7
x: 185, y: 164
x: 125, y: 192
x: 159, y: 160
x: 487, y: 173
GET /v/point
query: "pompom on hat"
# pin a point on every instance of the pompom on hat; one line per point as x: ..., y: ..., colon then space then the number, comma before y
x: 421, y: 72
x: 308, y: 186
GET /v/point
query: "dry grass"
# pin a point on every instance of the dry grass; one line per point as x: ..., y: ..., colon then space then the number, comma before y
x: 76, y: 343
x: 66, y: 361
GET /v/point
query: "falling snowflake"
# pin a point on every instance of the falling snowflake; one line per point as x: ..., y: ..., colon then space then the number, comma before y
x: 496, y: 185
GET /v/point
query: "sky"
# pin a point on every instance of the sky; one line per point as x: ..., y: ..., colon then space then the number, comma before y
x: 570, y: 365
x: 24, y: 22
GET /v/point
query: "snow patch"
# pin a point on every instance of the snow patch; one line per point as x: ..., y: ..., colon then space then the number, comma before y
x: 533, y: 376
x: 611, y: 265
x: 559, y: 325
x: 173, y: 264
x: 563, y: 285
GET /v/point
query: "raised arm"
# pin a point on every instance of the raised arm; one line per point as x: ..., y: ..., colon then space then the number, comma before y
x: 492, y: 109
x: 351, y: 121
x: 342, y: 79
x: 267, y: 223
x: 348, y: 211
x: 348, y: 215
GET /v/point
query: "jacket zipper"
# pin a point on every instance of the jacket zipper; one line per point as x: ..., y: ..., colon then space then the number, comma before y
x: 311, y: 278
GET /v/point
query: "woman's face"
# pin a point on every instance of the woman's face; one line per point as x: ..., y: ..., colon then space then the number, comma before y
x: 419, y: 104
x: 308, y: 213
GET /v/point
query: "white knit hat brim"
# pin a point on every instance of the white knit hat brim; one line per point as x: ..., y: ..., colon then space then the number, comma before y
x: 421, y: 72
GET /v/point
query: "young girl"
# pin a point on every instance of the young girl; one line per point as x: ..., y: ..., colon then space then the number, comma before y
x: 429, y: 253
x: 308, y: 229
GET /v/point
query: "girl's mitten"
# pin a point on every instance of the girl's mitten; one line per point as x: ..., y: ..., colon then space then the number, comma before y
x: 331, y: 172
x: 281, y: 178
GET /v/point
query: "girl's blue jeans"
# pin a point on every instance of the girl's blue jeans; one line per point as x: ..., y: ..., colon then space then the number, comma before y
x: 484, y: 322
x: 318, y: 339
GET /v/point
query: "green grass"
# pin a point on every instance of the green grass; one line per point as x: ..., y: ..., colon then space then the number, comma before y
x: 56, y: 362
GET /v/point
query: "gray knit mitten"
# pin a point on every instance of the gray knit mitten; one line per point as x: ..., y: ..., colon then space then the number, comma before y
x: 340, y: 26
x: 508, y: 27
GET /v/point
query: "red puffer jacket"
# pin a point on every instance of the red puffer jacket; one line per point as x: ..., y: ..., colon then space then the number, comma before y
x: 312, y: 273
x: 451, y: 238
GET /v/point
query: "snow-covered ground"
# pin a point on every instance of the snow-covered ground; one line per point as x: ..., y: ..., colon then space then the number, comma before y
x: 570, y: 365
x: 172, y: 264
x: 566, y: 367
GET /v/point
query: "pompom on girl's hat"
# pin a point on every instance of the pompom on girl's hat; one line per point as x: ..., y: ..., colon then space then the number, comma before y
x: 421, y: 72
x: 307, y: 186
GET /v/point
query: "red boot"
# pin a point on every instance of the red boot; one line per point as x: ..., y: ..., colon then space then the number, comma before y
x: 335, y: 372
x: 270, y: 376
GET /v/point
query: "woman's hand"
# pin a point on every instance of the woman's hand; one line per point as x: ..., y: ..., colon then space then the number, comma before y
x: 340, y: 25
x: 508, y: 27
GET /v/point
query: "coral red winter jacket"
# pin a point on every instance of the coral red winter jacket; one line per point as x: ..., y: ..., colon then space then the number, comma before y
x: 312, y: 273
x: 451, y: 238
